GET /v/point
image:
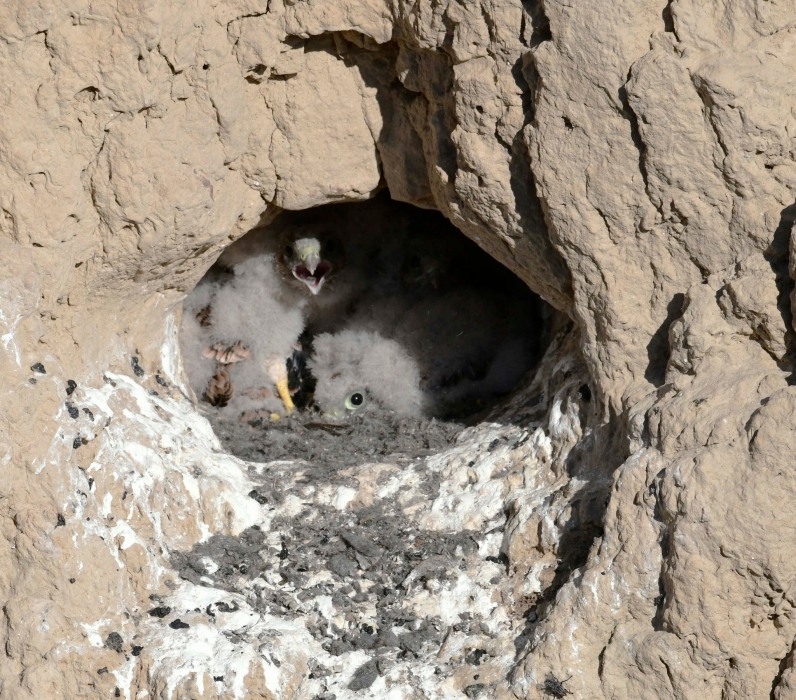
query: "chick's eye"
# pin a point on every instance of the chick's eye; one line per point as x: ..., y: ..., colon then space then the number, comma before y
x: 355, y: 401
x: 289, y: 251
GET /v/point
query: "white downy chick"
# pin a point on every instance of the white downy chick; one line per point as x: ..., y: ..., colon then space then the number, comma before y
x: 321, y: 263
x: 470, y: 343
x: 196, y: 334
x: 252, y: 317
x: 255, y: 300
x: 353, y: 367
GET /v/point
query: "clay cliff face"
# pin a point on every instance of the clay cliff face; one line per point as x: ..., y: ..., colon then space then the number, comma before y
x: 631, y: 161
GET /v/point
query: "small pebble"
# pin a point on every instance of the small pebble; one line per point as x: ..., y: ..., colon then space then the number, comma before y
x: 114, y: 641
x: 71, y: 385
x: 257, y: 496
x: 38, y: 367
x: 178, y: 624
x: 137, y: 369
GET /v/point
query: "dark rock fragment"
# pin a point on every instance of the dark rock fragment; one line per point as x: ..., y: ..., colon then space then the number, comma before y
x: 474, y: 690
x: 365, y: 641
x: 341, y: 565
x: 178, y: 624
x: 388, y: 638
x: 283, y: 553
x: 361, y: 544
x: 39, y: 368
x: 338, y: 647
x: 411, y: 641
x: 225, y: 608
x: 161, y: 611
x: 262, y: 499
x: 71, y: 385
x: 137, y: 369
x: 364, y: 676
x: 475, y: 656
x: 114, y: 641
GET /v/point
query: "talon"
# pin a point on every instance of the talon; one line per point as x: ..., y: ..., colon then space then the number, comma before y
x: 219, y: 390
x: 284, y: 394
x: 227, y: 354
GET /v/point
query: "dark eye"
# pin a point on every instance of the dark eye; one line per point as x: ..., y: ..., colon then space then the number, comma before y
x: 289, y: 251
x: 354, y: 401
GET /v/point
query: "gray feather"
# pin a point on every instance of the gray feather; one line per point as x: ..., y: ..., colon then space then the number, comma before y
x: 358, y: 361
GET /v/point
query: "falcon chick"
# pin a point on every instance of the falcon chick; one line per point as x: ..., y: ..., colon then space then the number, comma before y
x: 256, y: 301
x: 238, y: 331
x: 469, y: 325
x: 196, y: 336
x: 319, y: 264
x: 353, y: 367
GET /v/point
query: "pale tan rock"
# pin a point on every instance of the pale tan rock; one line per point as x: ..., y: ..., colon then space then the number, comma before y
x: 632, y: 162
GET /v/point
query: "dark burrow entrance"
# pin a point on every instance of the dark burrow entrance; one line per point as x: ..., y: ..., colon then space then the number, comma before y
x: 351, y: 331
x: 390, y: 529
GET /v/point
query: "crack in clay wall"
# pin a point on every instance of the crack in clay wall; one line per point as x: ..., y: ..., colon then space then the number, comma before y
x: 140, y: 139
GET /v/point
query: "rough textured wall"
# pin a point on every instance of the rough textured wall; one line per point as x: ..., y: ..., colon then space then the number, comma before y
x: 632, y: 161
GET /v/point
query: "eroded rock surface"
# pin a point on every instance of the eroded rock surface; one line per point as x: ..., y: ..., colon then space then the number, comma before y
x: 632, y: 161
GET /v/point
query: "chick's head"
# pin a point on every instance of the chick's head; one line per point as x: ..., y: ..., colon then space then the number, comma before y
x: 311, y: 256
x: 356, y: 368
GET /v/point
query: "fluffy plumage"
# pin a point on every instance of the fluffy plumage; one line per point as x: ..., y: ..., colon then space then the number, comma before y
x: 262, y: 293
x: 405, y: 309
x: 471, y: 327
x: 238, y: 330
x: 354, y: 367
x: 195, y: 334
x: 321, y: 264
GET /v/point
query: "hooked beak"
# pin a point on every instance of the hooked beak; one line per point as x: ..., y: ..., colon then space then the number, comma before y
x: 312, y: 271
x: 311, y: 261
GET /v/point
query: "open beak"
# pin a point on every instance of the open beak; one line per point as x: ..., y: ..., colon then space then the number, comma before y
x: 312, y: 271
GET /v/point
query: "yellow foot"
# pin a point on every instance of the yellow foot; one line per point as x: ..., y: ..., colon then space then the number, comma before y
x: 284, y: 394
